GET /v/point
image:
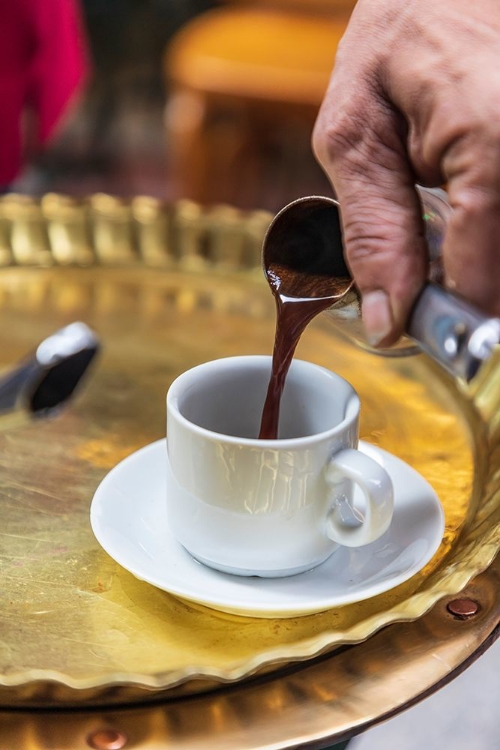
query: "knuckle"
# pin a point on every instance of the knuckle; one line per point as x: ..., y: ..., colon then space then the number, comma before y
x: 352, y: 150
x: 337, y: 139
x: 470, y: 203
x: 383, y: 245
x: 378, y: 223
x: 369, y: 245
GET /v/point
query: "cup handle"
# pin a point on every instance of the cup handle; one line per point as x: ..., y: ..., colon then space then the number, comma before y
x: 376, y: 485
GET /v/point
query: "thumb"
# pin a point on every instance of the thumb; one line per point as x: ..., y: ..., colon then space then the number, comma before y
x: 362, y: 151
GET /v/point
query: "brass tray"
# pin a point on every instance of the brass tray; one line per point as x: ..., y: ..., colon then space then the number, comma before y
x: 167, y: 288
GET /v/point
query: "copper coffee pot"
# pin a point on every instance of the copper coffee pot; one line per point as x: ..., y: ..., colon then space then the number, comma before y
x: 305, y: 238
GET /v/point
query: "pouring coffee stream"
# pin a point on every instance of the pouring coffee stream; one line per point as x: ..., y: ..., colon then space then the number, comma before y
x: 307, y: 274
x: 303, y: 259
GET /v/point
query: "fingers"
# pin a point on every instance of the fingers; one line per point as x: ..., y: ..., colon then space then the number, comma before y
x: 409, y: 102
x: 471, y: 250
x: 438, y: 80
x: 360, y: 142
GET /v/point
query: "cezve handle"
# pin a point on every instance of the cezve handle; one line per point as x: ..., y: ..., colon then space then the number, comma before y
x: 459, y: 337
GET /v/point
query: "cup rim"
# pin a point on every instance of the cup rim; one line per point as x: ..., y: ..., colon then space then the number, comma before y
x: 352, y: 409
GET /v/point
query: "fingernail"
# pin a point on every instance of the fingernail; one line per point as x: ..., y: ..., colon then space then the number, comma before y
x: 377, y: 316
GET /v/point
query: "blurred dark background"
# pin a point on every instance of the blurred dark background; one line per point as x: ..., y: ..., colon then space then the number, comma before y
x: 114, y: 140
x: 255, y: 70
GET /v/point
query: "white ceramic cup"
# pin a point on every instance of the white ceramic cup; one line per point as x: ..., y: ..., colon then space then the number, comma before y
x: 268, y: 507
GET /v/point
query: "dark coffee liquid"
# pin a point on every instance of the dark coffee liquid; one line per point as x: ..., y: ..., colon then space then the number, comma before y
x: 306, y: 296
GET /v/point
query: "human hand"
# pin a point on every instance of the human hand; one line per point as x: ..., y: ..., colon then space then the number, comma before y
x: 415, y: 98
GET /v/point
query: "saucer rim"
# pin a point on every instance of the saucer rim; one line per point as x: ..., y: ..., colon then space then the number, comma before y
x: 263, y: 610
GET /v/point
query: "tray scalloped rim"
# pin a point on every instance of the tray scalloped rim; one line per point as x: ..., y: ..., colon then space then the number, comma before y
x: 452, y: 578
x: 309, y: 648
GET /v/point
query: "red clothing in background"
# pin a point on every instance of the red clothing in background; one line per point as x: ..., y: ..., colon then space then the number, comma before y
x: 42, y: 64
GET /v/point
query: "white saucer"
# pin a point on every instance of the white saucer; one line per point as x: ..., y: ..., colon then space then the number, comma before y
x: 129, y: 519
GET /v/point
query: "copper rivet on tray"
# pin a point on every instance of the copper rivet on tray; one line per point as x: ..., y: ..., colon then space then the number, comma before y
x: 463, y: 608
x: 107, y: 739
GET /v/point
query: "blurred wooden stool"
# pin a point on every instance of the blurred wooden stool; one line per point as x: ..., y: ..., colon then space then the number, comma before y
x: 245, y: 86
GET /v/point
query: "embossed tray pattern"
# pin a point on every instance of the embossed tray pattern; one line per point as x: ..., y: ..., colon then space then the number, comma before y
x: 167, y: 287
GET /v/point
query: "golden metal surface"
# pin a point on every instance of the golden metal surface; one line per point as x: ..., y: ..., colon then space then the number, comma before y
x: 74, y: 626
x: 313, y: 704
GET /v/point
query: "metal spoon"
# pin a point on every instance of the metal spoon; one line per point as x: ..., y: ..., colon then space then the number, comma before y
x: 46, y: 380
